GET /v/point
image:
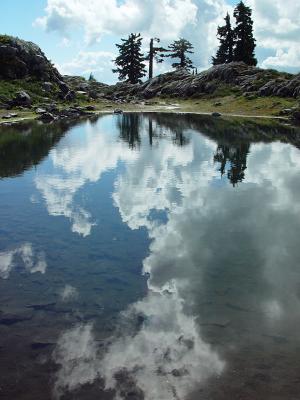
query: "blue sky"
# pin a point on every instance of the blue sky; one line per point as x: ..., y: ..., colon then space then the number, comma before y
x: 80, y: 36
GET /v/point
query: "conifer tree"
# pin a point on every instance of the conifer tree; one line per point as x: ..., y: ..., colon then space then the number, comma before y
x: 130, y: 66
x: 243, y: 34
x: 155, y: 53
x: 226, y: 37
x: 179, y: 49
x: 91, y: 77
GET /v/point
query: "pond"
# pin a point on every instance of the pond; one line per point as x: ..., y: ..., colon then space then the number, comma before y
x: 150, y: 256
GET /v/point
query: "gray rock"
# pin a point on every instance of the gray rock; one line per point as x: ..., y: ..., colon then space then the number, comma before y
x: 296, y: 115
x: 22, y: 99
x: 47, y: 86
x: 21, y: 59
x: 216, y: 114
x: 40, y: 110
x: 46, y: 117
x: 286, y: 111
x: 118, y: 111
x: 70, y: 95
x: 90, y: 108
x: 51, y: 107
x: 7, y: 116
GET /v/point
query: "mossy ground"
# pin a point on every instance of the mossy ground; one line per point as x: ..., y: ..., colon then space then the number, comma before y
x: 237, y: 105
x: 9, y: 88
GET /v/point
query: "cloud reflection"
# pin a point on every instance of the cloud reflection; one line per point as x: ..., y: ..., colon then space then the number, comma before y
x: 32, y: 261
x: 216, y: 257
x: 77, y: 161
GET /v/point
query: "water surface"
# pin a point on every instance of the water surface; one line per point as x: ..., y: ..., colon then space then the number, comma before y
x: 150, y: 256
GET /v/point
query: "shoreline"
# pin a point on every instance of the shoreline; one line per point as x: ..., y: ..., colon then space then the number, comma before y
x: 148, y: 109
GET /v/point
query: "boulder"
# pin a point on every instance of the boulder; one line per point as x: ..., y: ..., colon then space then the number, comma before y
x: 296, y: 115
x: 40, y: 110
x: 90, y: 108
x: 118, y: 111
x: 21, y: 99
x: 47, y: 86
x: 46, y: 117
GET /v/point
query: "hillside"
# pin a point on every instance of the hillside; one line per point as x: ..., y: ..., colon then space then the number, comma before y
x: 234, y: 78
x: 23, y: 66
x: 29, y: 80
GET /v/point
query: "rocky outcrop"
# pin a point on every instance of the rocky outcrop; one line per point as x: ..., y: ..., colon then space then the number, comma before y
x: 51, y: 113
x: 234, y: 77
x: 86, y: 88
x: 20, y: 59
x: 25, y: 60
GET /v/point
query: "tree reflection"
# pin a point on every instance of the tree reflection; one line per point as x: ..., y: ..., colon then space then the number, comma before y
x: 129, y: 127
x: 236, y: 156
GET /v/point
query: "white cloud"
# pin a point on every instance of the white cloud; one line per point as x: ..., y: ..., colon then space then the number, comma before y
x: 276, y: 23
x: 32, y: 262
x: 168, y: 19
x: 69, y: 293
x: 285, y: 56
x: 277, y: 28
x: 98, y: 17
x: 86, y: 62
x: 76, y: 353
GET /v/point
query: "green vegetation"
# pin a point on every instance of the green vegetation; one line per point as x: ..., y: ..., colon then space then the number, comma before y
x: 179, y: 49
x: 129, y: 63
x: 226, y: 38
x: 237, y: 44
x: 8, y: 88
x: 155, y: 53
x: 5, y: 39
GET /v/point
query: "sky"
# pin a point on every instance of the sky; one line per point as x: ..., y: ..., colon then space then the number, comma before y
x: 79, y: 36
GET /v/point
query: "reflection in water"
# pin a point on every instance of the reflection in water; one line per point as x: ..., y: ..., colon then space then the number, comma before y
x: 129, y: 126
x: 78, y: 163
x: 220, y: 316
x: 237, y: 157
x: 23, y: 146
x: 32, y: 262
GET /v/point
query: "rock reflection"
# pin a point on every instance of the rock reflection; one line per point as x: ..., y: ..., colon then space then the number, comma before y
x: 25, y: 145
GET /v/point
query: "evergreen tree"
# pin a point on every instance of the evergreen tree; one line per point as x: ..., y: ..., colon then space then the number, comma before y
x: 130, y: 66
x: 226, y: 37
x: 243, y: 34
x: 155, y: 53
x: 92, y: 78
x: 179, y: 49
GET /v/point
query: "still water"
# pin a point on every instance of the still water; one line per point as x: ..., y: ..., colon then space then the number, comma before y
x: 150, y: 257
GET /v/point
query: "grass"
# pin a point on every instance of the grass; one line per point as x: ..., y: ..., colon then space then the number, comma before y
x: 239, y: 105
x: 8, y: 89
